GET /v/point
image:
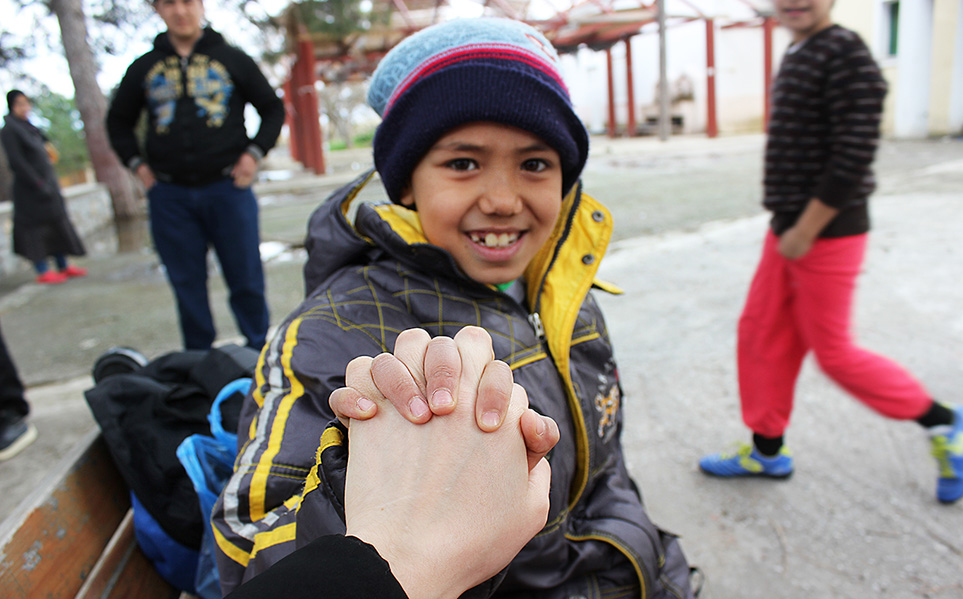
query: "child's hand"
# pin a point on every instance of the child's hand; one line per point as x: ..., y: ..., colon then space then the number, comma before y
x: 447, y: 504
x: 421, y: 378
x: 795, y: 243
x: 448, y: 371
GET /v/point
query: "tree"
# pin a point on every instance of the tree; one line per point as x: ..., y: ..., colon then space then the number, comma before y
x: 64, y: 129
x: 93, y: 107
x: 337, y: 28
x: 341, y: 100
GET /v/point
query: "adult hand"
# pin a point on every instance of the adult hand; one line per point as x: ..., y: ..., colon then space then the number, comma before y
x: 428, y: 376
x: 447, y: 504
x: 795, y: 243
x: 145, y: 175
x: 244, y: 170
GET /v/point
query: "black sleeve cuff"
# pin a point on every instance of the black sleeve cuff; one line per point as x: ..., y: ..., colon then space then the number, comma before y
x: 330, y: 567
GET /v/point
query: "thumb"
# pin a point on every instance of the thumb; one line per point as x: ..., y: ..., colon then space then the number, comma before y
x: 539, y: 483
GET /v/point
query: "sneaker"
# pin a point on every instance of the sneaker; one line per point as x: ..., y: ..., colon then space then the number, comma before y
x: 51, y: 278
x: 74, y: 271
x: 15, y: 434
x: 747, y: 461
x: 948, y: 451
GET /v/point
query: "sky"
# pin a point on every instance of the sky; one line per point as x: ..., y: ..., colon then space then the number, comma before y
x: 50, y: 67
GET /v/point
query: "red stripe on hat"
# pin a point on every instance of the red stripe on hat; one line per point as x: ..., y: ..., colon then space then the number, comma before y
x: 471, y: 52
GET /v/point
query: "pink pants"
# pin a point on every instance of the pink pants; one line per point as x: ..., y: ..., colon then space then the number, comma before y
x: 797, y: 305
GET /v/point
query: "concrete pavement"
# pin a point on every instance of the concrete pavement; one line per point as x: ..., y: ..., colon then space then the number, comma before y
x: 857, y: 520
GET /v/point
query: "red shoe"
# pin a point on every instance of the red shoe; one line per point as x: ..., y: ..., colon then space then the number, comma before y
x: 51, y: 278
x: 74, y: 271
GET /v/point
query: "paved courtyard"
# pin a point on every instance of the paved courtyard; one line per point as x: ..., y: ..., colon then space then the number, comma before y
x: 857, y: 520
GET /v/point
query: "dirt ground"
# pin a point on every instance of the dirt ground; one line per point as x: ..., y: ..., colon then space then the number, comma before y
x: 858, y: 519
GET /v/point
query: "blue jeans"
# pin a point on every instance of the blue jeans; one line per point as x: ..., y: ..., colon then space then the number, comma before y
x: 41, y: 265
x: 185, y: 222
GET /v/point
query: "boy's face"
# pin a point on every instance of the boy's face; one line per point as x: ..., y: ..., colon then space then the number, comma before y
x: 489, y: 194
x: 804, y: 17
x: 182, y: 17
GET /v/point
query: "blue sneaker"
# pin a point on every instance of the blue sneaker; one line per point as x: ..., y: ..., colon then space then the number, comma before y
x: 747, y: 461
x: 948, y: 451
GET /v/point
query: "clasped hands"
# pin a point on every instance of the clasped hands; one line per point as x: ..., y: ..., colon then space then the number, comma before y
x: 446, y: 476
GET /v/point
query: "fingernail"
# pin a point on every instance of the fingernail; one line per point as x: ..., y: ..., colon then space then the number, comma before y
x: 365, y: 404
x: 490, y: 419
x: 541, y: 427
x: 418, y: 408
x: 442, y: 398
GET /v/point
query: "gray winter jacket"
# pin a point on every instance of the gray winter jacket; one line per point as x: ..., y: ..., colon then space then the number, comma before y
x: 370, y: 275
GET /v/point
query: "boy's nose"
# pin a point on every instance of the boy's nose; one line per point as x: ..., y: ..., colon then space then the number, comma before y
x: 500, y: 197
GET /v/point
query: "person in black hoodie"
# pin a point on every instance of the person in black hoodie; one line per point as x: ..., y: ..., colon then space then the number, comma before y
x: 199, y: 163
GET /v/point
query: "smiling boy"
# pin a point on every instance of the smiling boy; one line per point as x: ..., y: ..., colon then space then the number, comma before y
x: 480, y: 153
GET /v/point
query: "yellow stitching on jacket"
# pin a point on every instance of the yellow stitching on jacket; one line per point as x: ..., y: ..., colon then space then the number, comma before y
x: 526, y: 361
x: 586, y: 237
x: 628, y: 555
x: 230, y: 550
x: 332, y: 437
x: 258, y: 486
x: 258, y: 395
x: 275, y: 536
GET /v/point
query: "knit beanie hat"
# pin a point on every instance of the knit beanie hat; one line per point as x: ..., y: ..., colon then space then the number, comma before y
x: 465, y: 71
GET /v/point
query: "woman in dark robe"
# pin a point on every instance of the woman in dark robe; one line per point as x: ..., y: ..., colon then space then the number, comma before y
x: 41, y: 228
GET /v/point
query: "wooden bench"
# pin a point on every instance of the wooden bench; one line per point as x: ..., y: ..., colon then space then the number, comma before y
x: 74, y: 536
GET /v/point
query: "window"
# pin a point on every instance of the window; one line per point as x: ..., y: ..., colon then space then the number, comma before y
x: 891, y: 27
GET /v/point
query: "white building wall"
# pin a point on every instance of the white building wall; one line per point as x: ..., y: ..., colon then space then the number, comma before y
x: 740, y: 82
x: 956, y: 89
x: 739, y: 57
x: 911, y: 110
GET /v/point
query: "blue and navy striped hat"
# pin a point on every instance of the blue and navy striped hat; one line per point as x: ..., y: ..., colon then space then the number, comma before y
x: 465, y: 71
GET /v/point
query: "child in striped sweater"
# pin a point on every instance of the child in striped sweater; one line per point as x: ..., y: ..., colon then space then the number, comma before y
x: 826, y: 104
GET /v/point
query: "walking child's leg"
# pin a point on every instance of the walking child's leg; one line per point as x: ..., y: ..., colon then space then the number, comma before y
x: 770, y: 348
x: 826, y: 279
x: 770, y: 353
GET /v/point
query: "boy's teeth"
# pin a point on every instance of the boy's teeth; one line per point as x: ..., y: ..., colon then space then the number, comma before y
x: 495, y: 240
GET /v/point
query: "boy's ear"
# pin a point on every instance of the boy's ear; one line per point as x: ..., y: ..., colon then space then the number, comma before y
x: 407, y: 196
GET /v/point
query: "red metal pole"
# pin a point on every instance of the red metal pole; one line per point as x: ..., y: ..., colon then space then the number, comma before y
x: 631, y: 85
x: 290, y: 116
x: 309, y: 109
x: 767, y: 27
x: 712, y: 128
x: 297, y: 82
x: 608, y: 66
x: 307, y: 156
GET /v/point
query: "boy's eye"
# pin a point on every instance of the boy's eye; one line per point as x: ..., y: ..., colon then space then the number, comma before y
x: 462, y: 164
x: 535, y: 165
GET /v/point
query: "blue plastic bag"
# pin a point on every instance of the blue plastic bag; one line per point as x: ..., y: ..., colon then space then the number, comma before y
x: 209, y: 462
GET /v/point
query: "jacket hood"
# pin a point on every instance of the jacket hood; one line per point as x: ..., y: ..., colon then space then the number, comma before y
x: 349, y: 230
x: 209, y: 37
